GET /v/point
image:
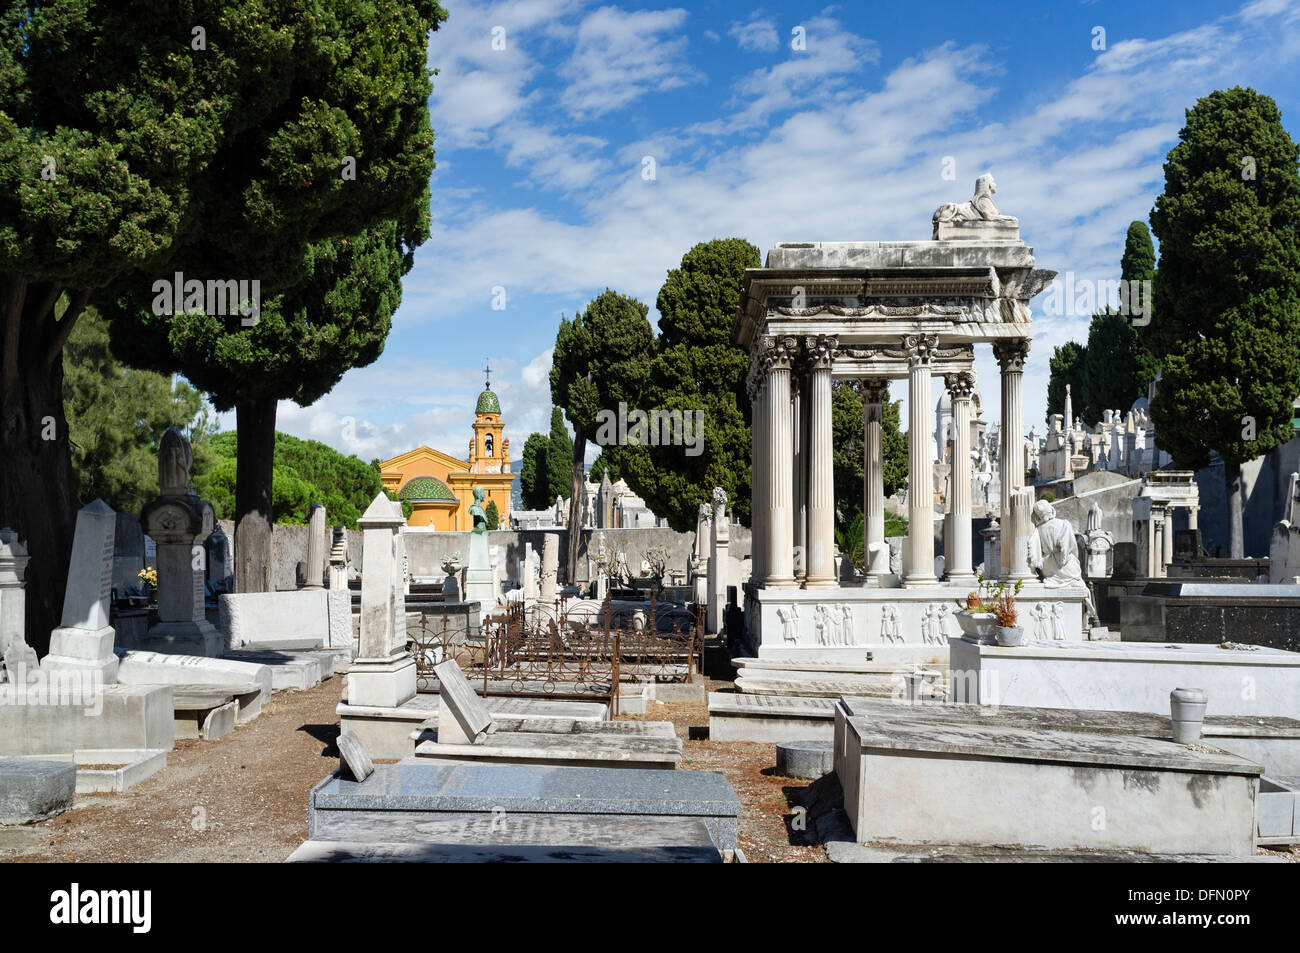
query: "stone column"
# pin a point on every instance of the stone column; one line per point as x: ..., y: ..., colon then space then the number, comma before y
x: 758, y: 479
x: 779, y: 562
x: 958, y: 546
x: 719, y: 563
x: 316, y: 547
x: 383, y: 674
x: 1167, y: 549
x: 1191, y: 516
x: 799, y: 427
x: 1021, y: 523
x: 821, y: 483
x: 920, y: 470
x: 875, y: 391
x: 1011, y: 357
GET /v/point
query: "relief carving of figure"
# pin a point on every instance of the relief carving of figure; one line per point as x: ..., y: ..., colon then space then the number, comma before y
x: 789, y: 623
x: 889, y: 625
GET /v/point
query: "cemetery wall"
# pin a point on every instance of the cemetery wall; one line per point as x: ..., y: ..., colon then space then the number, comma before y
x: 425, y: 550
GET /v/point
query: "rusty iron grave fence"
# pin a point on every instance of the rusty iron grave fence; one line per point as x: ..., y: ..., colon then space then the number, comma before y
x: 578, y: 651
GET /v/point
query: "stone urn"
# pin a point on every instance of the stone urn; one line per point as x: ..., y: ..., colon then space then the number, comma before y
x: 977, y: 626
x: 1187, y: 711
x: 1009, y: 634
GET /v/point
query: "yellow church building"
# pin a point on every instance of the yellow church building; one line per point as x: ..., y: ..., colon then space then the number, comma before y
x: 440, y: 487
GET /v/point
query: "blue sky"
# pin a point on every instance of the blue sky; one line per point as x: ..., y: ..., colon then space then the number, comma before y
x: 539, y: 187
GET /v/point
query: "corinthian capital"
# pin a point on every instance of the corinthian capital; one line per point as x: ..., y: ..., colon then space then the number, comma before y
x: 875, y: 390
x: 1011, y: 355
x: 920, y: 348
x: 777, y: 352
x: 821, y: 350
x: 960, y: 385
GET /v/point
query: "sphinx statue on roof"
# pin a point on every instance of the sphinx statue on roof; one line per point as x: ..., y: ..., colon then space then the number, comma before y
x: 976, y: 218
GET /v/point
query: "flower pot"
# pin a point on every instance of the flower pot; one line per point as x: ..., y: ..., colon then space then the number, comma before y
x: 1187, y: 711
x: 977, y: 626
x: 1009, y: 634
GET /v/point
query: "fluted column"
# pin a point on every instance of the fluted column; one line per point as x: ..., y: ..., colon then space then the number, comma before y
x: 920, y: 469
x: 799, y: 422
x: 1167, y: 555
x: 875, y: 391
x: 758, y: 483
x: 1011, y: 357
x: 779, y: 563
x: 821, y: 482
x: 957, y: 548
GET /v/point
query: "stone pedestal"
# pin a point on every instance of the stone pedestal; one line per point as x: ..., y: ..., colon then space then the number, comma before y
x: 550, y: 567
x: 478, y: 573
x: 15, y: 653
x: 383, y: 674
x: 84, y: 641
x: 718, y: 561
x: 179, y: 524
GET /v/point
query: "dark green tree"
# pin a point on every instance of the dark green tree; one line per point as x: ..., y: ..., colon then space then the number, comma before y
x: 1227, y: 316
x: 334, y: 182
x: 850, y: 452
x: 697, y: 369
x: 1118, y: 368
x: 492, y: 515
x: 1065, y: 367
x: 602, y: 357
x: 209, y: 140
x: 305, y: 472
x: 533, y: 485
x: 1138, y: 264
x: 117, y: 417
x: 559, y: 460
x: 603, y: 464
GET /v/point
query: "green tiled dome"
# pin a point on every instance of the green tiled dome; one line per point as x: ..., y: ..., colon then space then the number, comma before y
x: 488, y: 403
x: 425, y: 488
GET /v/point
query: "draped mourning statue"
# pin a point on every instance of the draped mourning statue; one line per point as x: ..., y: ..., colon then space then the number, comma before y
x: 175, y: 457
x: 1053, y: 550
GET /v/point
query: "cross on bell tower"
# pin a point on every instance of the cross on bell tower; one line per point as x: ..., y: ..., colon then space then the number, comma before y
x: 487, y: 373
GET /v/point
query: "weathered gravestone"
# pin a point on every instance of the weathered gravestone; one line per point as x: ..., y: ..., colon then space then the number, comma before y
x: 1125, y: 556
x: 353, y: 757
x: 84, y: 641
x: 462, y: 716
x: 18, y: 660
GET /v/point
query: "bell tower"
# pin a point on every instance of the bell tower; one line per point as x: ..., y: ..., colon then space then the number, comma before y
x: 490, y: 448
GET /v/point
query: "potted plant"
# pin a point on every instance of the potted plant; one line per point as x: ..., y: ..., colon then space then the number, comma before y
x: 977, y: 615
x: 1004, y: 622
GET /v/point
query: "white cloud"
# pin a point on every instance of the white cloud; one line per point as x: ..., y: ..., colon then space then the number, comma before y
x: 620, y: 56
x: 831, y: 152
x: 757, y: 35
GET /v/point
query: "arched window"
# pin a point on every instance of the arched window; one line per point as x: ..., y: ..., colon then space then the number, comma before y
x: 487, y: 444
